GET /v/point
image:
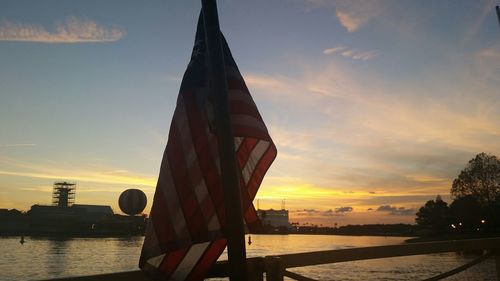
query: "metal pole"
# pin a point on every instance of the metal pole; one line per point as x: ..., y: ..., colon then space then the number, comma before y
x: 497, y: 261
x: 275, y: 270
x: 234, y: 229
x: 498, y: 14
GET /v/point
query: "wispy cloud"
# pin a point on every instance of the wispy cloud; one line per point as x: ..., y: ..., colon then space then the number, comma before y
x: 17, y: 145
x: 352, y: 14
x: 350, y: 21
x: 329, y: 51
x: 348, y: 53
x: 267, y: 81
x: 351, y: 53
x: 38, y: 188
x: 492, y: 52
x: 73, y: 30
x: 85, y: 174
x: 481, y: 9
x: 365, y: 55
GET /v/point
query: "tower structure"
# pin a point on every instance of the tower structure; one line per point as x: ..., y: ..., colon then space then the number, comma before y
x: 63, y: 194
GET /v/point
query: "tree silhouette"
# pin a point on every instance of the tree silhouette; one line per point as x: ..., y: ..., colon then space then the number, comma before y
x: 434, y: 215
x: 467, y: 213
x: 480, y: 179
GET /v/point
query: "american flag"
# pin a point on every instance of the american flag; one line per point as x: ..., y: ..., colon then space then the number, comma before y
x: 184, y: 236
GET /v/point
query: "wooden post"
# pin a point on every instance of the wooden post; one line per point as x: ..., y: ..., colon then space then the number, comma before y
x: 255, y: 269
x: 234, y: 228
x: 498, y: 14
x: 275, y: 270
x: 497, y: 263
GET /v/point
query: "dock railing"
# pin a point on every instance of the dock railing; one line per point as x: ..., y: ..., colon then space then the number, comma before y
x: 275, y: 268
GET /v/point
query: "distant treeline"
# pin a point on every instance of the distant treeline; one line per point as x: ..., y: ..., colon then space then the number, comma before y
x: 399, y: 229
x: 475, y: 208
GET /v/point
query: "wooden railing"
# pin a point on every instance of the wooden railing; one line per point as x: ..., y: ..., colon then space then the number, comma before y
x: 275, y: 267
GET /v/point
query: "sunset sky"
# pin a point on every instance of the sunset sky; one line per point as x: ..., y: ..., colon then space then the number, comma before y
x: 374, y: 106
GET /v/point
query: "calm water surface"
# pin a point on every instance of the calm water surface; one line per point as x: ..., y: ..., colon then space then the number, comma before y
x: 42, y: 258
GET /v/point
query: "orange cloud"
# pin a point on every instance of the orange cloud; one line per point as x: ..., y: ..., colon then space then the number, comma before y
x: 349, y: 21
x: 103, y: 175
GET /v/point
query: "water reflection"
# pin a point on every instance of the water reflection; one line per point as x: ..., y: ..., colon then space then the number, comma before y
x: 117, y: 246
x: 56, y: 261
x: 129, y: 241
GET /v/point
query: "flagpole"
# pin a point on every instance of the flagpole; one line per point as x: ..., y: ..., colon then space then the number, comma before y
x: 234, y: 228
x: 498, y: 13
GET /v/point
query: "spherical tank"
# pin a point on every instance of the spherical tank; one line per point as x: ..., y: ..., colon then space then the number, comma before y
x: 132, y: 201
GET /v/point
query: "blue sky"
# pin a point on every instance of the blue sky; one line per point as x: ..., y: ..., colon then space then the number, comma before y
x: 373, y: 105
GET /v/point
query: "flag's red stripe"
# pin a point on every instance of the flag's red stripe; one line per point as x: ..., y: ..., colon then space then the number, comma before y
x: 252, y: 132
x: 181, y: 177
x: 208, y: 259
x: 161, y: 221
x: 260, y: 170
x: 254, y: 184
x: 218, y: 192
x: 243, y: 154
x: 251, y: 218
x: 206, y: 150
x: 239, y: 107
x: 245, y: 149
x: 246, y: 201
x: 172, y: 260
x: 196, y: 175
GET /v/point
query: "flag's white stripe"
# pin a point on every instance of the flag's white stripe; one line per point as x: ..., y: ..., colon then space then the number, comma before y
x: 249, y: 121
x: 213, y: 223
x: 182, y: 124
x: 201, y: 191
x: 200, y: 188
x: 237, y: 143
x: 253, y: 160
x: 184, y: 131
x: 156, y: 261
x: 189, y: 261
x: 212, y: 220
x: 173, y: 205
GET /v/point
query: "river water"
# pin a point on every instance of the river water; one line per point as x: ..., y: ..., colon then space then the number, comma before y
x: 43, y: 258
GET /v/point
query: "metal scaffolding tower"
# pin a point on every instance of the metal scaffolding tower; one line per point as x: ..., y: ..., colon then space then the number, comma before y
x: 63, y: 194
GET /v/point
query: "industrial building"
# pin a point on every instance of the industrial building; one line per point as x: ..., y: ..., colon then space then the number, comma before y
x: 277, y: 219
x: 64, y: 217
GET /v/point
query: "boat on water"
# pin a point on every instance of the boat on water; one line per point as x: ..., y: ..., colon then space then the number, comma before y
x: 65, y: 218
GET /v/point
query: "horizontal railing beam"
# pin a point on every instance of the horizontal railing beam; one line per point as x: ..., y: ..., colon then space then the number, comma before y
x: 355, y: 254
x: 135, y: 275
x: 220, y: 269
